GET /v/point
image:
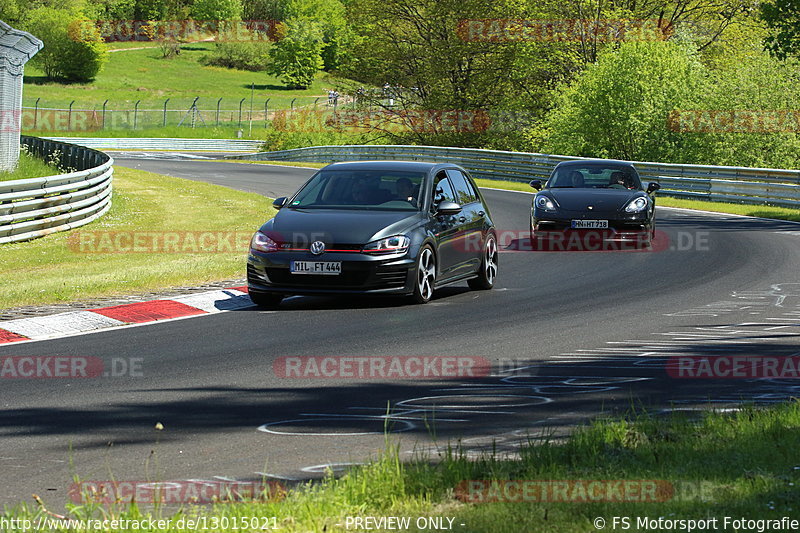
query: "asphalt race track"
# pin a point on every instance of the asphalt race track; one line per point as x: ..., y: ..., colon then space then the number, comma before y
x: 569, y: 335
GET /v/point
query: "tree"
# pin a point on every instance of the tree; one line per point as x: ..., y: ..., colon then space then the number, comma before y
x: 73, y: 48
x: 620, y: 107
x: 14, y: 12
x: 296, y: 56
x: 783, y: 19
x: 329, y: 15
x: 421, y: 49
x: 217, y: 9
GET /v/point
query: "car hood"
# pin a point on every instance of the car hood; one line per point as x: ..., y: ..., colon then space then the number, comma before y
x: 599, y: 199
x: 304, y: 226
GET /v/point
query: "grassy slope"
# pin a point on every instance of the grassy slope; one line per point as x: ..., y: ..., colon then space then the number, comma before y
x: 49, y: 270
x: 144, y: 75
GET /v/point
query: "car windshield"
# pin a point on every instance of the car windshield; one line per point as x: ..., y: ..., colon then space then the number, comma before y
x: 361, y: 189
x: 594, y: 177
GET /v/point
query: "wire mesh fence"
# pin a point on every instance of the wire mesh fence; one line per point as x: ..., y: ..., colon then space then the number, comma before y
x: 39, y: 116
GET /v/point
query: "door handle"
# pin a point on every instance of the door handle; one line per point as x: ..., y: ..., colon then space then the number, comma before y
x: 462, y: 219
x: 481, y: 213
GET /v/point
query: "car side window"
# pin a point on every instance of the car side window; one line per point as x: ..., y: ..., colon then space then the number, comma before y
x: 465, y: 193
x: 442, y: 190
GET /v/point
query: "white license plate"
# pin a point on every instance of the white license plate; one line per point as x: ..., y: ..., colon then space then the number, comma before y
x: 325, y: 268
x: 590, y: 224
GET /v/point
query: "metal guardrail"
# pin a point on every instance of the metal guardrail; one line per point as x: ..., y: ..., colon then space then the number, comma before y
x: 704, y: 182
x: 167, y: 144
x: 36, y: 207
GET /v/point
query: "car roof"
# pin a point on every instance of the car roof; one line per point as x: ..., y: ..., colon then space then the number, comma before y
x: 411, y: 166
x: 607, y: 162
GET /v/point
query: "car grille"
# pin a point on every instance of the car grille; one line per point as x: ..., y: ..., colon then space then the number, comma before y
x: 383, y: 277
x: 284, y: 278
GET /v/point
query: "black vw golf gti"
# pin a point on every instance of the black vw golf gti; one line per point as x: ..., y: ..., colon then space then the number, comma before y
x: 375, y: 227
x: 601, y: 196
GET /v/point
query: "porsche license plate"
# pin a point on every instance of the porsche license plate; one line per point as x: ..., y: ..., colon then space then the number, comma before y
x: 590, y: 224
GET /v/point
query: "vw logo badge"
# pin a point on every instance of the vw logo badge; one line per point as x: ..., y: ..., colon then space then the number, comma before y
x: 317, y: 247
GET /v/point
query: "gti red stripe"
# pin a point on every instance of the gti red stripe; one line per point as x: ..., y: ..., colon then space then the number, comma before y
x: 243, y: 288
x: 148, y: 311
x: 7, y: 336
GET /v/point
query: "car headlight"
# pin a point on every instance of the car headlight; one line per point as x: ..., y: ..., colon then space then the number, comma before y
x: 395, y: 244
x: 637, y: 205
x: 544, y: 202
x: 262, y: 243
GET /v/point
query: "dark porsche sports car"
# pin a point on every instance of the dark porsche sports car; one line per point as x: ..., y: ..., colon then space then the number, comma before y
x: 375, y: 227
x: 601, y: 196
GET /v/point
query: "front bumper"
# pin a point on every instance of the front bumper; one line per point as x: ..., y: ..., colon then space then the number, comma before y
x: 631, y: 227
x: 361, y: 274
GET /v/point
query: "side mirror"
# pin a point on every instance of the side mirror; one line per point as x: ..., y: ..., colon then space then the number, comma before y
x: 536, y: 184
x: 652, y: 187
x: 279, y: 202
x: 447, y: 208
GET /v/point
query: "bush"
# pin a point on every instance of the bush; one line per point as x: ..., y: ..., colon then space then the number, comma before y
x: 619, y: 107
x: 287, y: 140
x: 244, y: 56
x: 73, y: 48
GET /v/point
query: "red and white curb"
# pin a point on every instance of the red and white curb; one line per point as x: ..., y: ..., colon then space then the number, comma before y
x: 86, y: 321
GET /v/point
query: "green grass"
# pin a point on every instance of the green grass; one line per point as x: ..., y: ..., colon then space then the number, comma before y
x: 30, y: 166
x: 54, y: 269
x: 738, y: 465
x: 143, y: 75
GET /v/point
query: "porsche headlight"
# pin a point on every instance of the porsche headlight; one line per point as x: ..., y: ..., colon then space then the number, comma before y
x: 544, y: 202
x: 637, y: 205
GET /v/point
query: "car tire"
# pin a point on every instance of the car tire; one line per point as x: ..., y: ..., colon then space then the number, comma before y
x: 266, y: 300
x: 425, y: 278
x: 488, y: 269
